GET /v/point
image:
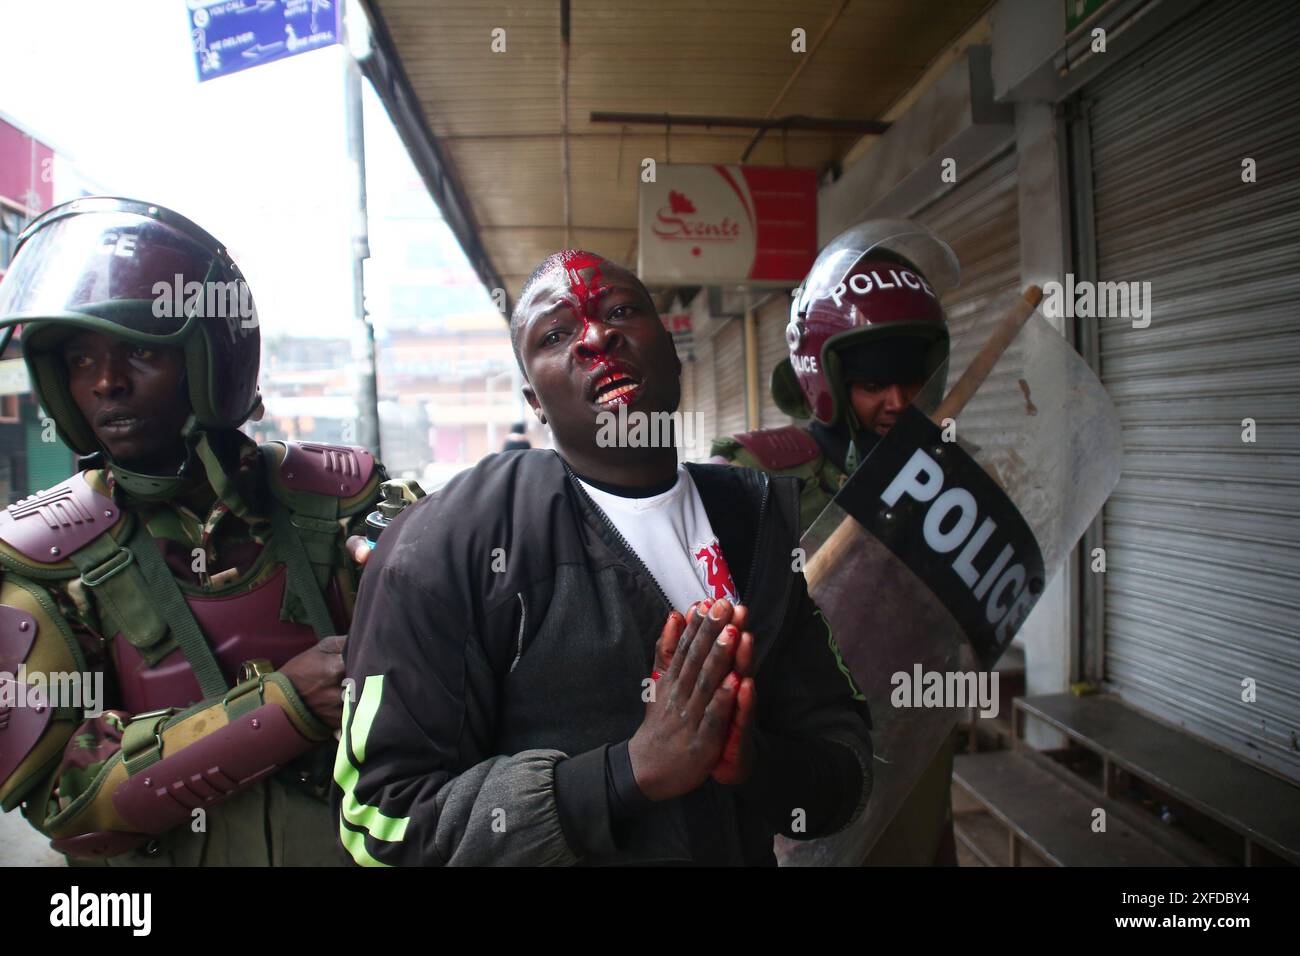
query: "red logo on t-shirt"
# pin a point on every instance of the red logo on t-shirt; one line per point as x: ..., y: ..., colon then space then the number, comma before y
x: 717, y: 576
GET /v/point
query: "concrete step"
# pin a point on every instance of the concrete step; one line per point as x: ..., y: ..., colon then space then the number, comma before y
x: 1050, y: 816
x: 1262, y: 808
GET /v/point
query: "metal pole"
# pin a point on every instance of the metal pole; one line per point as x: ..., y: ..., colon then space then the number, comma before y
x: 368, y: 388
x: 752, y: 385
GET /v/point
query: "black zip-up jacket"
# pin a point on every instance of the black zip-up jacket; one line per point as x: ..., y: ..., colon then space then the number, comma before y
x: 503, y: 636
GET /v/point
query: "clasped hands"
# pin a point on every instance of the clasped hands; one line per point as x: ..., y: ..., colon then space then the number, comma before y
x: 699, y: 719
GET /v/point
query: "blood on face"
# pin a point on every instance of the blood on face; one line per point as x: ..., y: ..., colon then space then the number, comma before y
x: 583, y: 295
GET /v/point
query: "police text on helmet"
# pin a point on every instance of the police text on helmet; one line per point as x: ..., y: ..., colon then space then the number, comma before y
x: 862, y: 283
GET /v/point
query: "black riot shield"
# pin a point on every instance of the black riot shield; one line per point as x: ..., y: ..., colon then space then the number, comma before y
x: 935, y: 551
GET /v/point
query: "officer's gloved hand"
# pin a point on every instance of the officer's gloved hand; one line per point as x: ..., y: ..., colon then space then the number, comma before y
x: 317, y: 676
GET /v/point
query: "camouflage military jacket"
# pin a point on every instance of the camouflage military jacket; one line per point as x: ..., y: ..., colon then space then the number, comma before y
x: 786, y: 451
x: 217, y: 539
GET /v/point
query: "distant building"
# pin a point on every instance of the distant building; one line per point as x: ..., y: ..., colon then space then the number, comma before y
x: 308, y: 391
x: 447, y: 379
x: 31, y: 456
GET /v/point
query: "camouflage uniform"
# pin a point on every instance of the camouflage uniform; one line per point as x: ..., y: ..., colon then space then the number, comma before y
x: 217, y: 541
x: 183, y: 591
x: 922, y: 828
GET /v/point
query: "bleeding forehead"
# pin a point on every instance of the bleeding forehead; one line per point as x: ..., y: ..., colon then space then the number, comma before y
x: 578, y: 279
x: 575, y: 261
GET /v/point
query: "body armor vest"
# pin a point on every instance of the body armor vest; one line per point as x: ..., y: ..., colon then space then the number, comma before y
x: 48, y: 535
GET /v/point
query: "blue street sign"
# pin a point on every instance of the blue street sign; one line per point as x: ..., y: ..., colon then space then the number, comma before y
x: 232, y: 35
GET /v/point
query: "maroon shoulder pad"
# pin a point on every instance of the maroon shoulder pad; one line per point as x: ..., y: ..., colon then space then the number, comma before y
x: 780, y: 448
x: 50, y: 525
x: 336, y: 470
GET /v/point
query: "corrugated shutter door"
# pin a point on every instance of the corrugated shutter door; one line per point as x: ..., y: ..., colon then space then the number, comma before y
x: 702, y: 390
x: 1202, y: 587
x: 772, y: 318
x: 979, y: 218
x: 729, y: 377
x: 687, y: 407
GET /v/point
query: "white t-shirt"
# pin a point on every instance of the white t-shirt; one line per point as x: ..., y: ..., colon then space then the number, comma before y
x: 671, y: 534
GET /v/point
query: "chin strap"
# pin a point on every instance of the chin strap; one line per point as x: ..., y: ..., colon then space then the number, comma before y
x: 851, y: 459
x: 164, y: 487
x: 856, y: 452
x: 861, y: 443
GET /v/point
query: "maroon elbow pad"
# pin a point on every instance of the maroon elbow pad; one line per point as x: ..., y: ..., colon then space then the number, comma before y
x: 210, y: 770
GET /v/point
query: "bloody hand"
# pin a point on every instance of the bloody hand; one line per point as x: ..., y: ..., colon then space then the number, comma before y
x: 686, y: 722
x: 317, y: 676
x: 737, y: 760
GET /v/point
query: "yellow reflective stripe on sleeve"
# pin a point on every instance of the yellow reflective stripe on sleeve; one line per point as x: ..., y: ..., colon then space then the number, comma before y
x: 839, y: 658
x: 355, y: 843
x: 356, y: 731
x: 367, y: 708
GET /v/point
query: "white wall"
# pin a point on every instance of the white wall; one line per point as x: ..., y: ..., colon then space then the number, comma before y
x: 1050, y: 635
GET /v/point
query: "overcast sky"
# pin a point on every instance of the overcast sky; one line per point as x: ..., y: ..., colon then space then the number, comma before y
x: 258, y: 158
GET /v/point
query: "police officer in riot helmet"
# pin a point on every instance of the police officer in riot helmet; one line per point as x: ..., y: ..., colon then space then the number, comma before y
x: 204, y: 576
x: 867, y: 337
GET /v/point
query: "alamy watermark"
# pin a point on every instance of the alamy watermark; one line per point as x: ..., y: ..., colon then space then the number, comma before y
x: 74, y: 908
x: 1098, y: 300
x: 36, y: 689
x: 204, y: 300
x: 624, y: 429
x: 951, y: 689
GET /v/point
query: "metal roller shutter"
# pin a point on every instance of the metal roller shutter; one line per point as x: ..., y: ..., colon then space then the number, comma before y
x: 729, y: 377
x: 687, y: 405
x: 703, y: 395
x: 979, y: 218
x: 772, y: 317
x: 1202, y: 588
